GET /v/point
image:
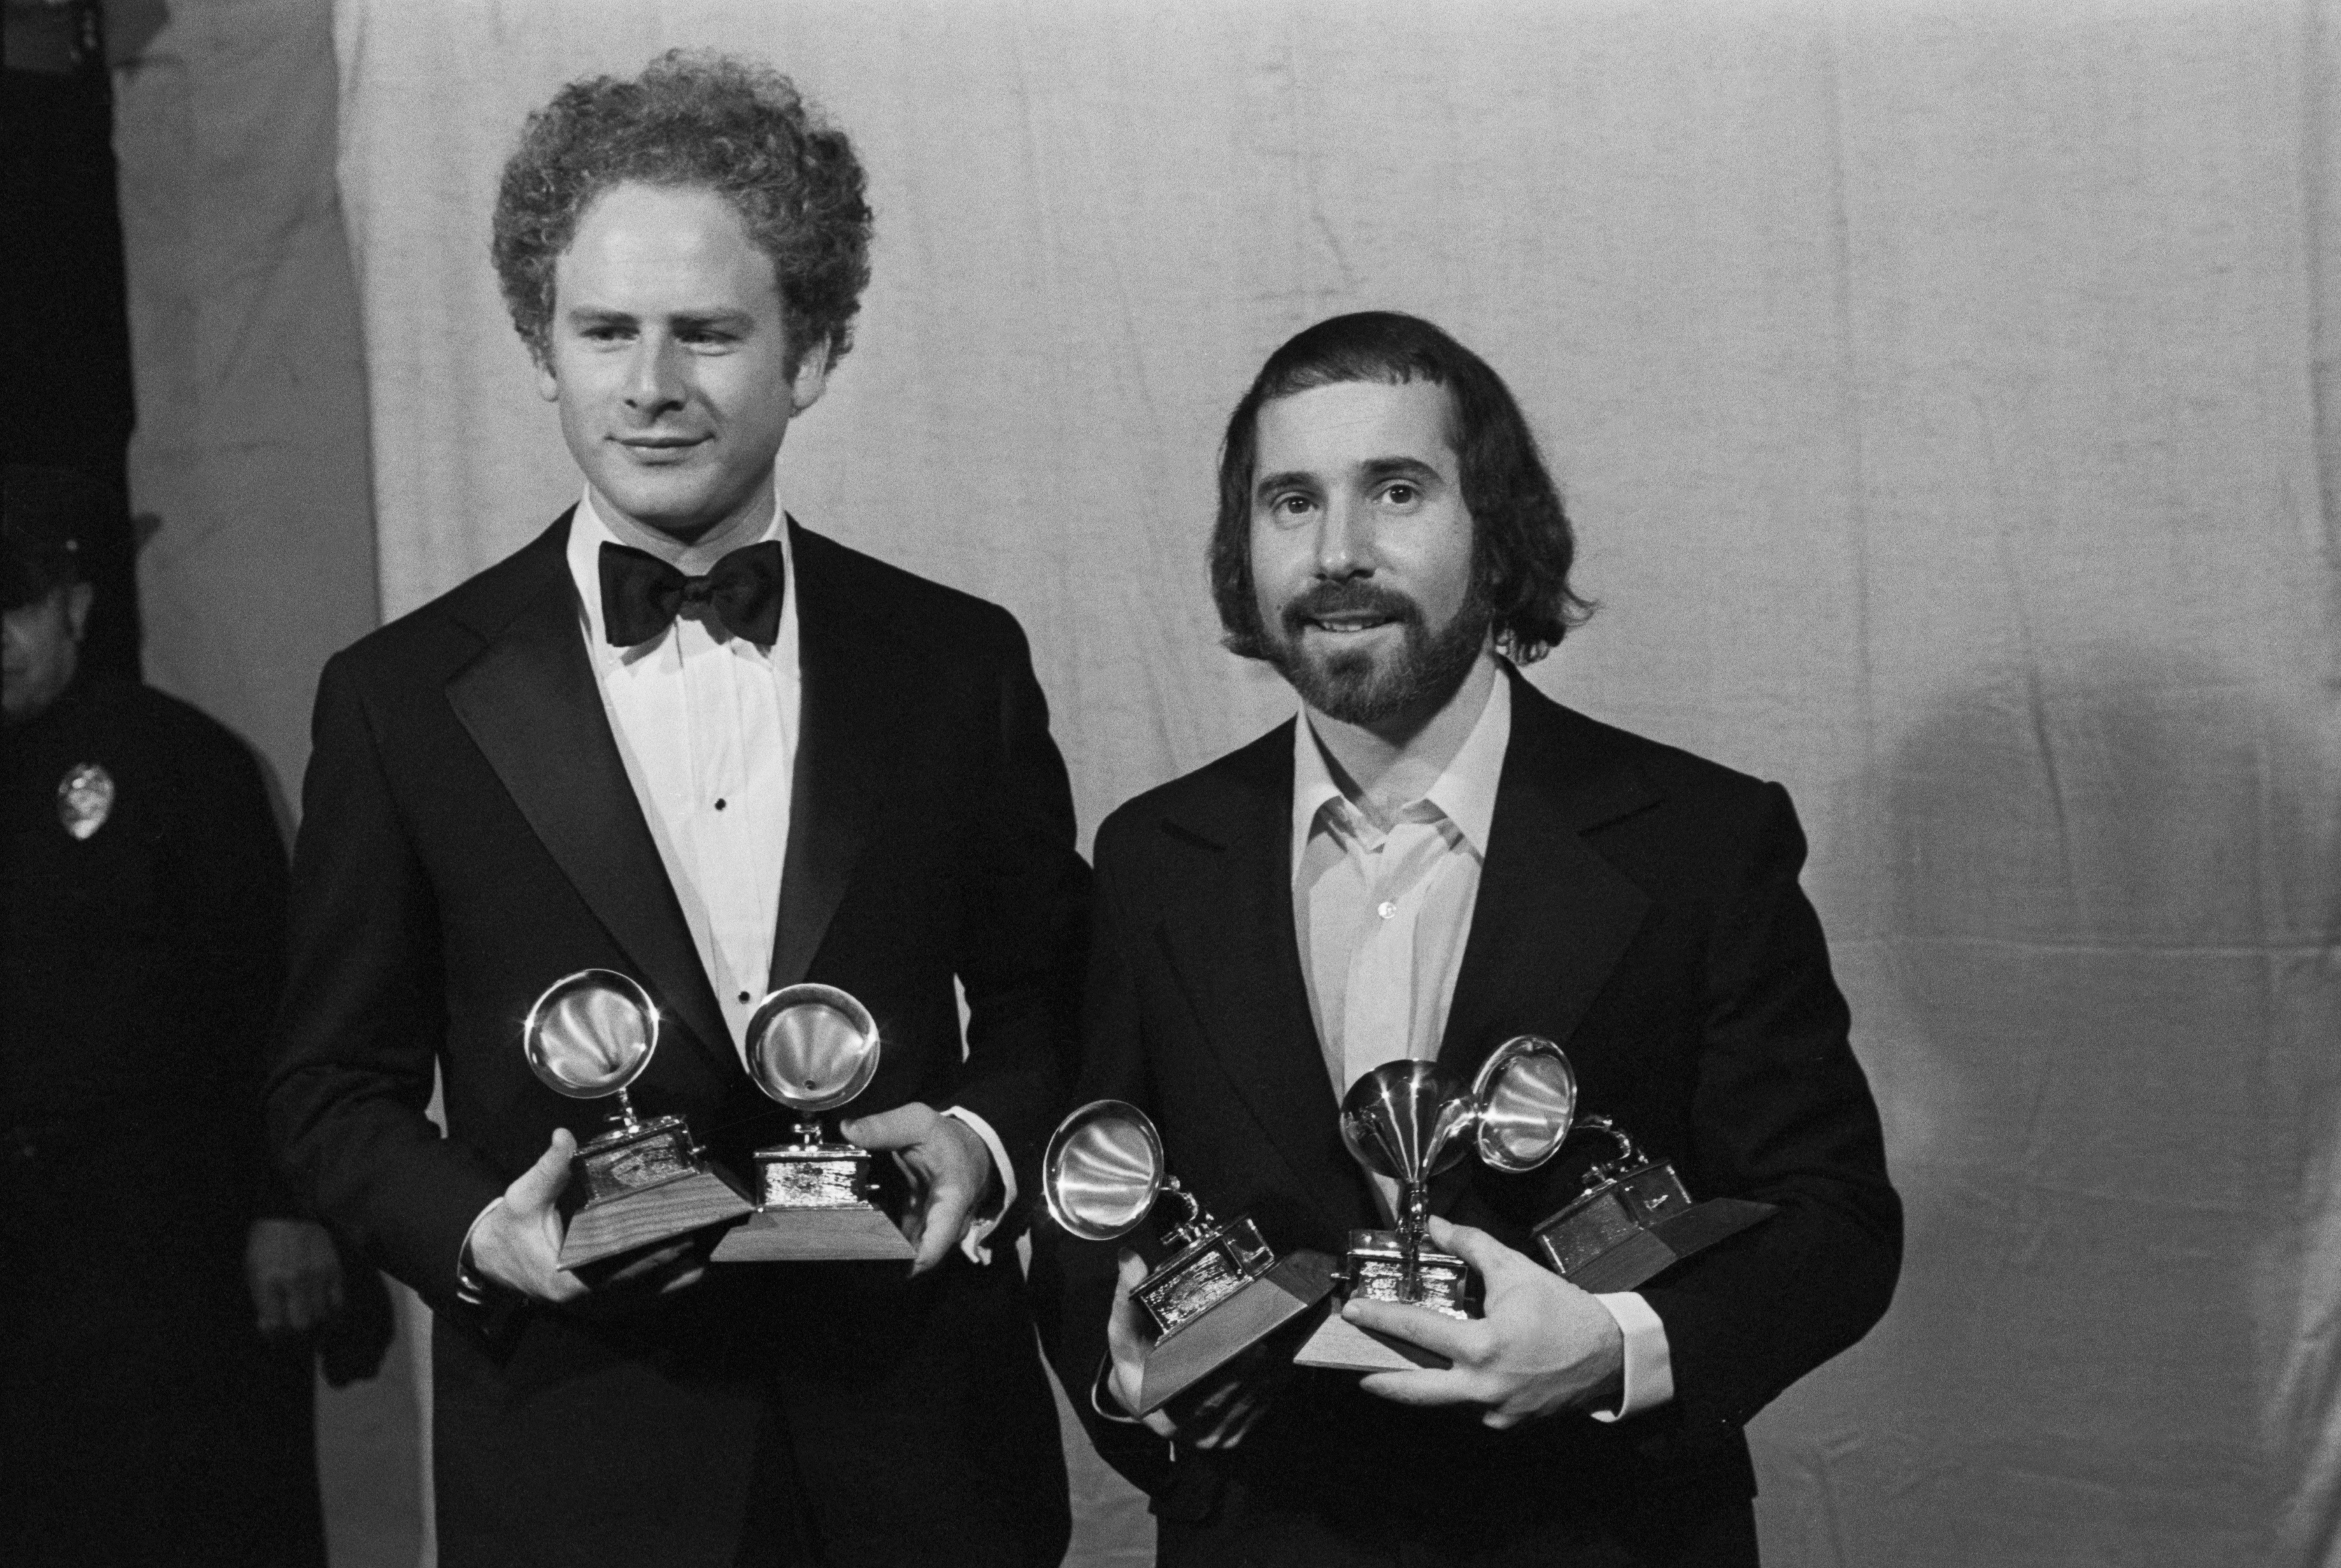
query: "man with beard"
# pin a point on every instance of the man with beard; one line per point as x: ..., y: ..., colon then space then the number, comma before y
x: 1434, y: 858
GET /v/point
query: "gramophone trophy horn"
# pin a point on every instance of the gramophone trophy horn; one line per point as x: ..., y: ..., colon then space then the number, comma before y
x: 1407, y: 1122
x: 1218, y: 1290
x: 814, y: 1049
x: 644, y: 1181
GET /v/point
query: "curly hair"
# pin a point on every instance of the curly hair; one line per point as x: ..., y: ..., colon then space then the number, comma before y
x: 1522, y: 545
x: 698, y: 119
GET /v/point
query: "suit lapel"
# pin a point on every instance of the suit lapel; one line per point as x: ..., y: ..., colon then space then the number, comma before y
x: 530, y: 703
x: 1552, y: 917
x: 838, y: 771
x: 1230, y: 941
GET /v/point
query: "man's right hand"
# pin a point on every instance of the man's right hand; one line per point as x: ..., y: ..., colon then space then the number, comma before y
x: 518, y: 1244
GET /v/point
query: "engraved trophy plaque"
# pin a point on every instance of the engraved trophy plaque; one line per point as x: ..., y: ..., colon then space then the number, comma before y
x: 1634, y: 1220
x: 1220, y: 1290
x: 1409, y: 1122
x: 813, y: 1048
x: 589, y: 1037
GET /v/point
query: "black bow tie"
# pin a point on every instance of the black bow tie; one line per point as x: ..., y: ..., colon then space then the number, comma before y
x: 641, y: 595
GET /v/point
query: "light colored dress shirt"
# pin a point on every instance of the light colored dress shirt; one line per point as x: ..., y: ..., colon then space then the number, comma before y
x: 706, y: 725
x: 1382, y: 917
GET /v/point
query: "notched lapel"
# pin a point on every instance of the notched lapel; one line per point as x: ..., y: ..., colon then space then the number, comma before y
x: 1227, y: 937
x: 1553, y: 917
x: 531, y: 704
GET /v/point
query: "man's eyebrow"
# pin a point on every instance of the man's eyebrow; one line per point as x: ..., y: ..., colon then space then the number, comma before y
x: 685, y: 319
x: 719, y: 317
x: 1289, y: 478
x: 1414, y: 468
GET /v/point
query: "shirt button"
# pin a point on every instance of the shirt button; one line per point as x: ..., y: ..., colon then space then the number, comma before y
x: 743, y: 996
x: 1389, y: 908
x: 719, y: 806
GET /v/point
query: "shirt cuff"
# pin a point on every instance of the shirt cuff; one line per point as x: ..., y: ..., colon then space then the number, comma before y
x: 975, y: 1244
x: 473, y: 1288
x: 1102, y: 1398
x: 1649, y: 1377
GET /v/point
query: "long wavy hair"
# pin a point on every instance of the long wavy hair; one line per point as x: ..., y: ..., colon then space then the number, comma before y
x: 1522, y: 545
x: 692, y: 119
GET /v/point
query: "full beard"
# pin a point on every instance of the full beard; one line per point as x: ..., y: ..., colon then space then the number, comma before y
x: 1355, y: 686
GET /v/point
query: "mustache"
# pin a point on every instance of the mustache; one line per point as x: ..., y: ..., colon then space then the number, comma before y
x: 1323, y: 599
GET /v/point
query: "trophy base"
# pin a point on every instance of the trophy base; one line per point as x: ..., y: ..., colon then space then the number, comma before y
x: 814, y: 1176
x: 1643, y: 1255
x: 861, y: 1234
x: 1375, y: 1270
x: 606, y: 1227
x: 629, y: 1156
x: 1246, y: 1317
x: 1340, y: 1345
x: 1627, y: 1231
x: 818, y: 1207
x: 1214, y: 1267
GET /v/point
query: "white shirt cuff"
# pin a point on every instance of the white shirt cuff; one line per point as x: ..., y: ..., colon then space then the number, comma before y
x: 1649, y: 1380
x: 1104, y: 1400
x: 472, y: 1286
x: 975, y: 1244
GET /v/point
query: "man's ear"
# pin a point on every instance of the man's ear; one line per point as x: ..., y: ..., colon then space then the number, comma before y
x: 811, y: 378
x: 548, y: 386
x: 77, y: 602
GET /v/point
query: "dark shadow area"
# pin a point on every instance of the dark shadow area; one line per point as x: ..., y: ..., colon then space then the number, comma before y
x: 2105, y: 902
x: 70, y: 401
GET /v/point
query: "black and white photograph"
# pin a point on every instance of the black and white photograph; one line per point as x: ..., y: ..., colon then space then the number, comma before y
x: 1218, y: 784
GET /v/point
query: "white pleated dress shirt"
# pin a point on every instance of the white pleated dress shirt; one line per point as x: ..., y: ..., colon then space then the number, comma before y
x: 706, y: 725
x: 1382, y: 918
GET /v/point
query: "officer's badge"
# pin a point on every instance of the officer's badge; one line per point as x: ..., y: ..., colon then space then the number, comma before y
x: 84, y: 799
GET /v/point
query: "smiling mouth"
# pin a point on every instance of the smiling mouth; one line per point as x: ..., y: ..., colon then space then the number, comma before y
x: 655, y: 447
x: 1346, y: 611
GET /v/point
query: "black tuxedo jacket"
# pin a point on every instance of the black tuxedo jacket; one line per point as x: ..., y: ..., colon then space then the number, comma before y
x: 470, y: 836
x: 1637, y: 904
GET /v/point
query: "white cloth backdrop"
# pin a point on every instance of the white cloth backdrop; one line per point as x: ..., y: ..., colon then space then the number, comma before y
x: 249, y: 468
x: 1937, y: 387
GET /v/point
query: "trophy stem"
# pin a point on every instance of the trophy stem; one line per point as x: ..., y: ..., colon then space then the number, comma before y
x: 809, y: 1133
x: 1197, y: 1224
x: 1413, y: 1224
x: 1627, y: 1158
x: 632, y: 1122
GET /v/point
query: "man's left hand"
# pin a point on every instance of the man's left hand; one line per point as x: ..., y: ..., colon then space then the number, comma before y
x: 294, y: 1274
x: 947, y: 1162
x: 1544, y: 1345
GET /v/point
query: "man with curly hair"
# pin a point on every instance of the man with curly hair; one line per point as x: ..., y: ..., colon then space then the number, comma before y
x: 682, y: 737
x: 1432, y: 859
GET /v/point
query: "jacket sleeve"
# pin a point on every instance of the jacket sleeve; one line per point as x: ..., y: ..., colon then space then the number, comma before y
x: 1024, y: 922
x: 227, y: 885
x: 1072, y: 1280
x: 358, y: 1035
x: 1781, y: 1113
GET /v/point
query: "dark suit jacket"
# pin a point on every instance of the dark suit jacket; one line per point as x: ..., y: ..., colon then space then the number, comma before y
x: 470, y: 836
x: 1642, y: 907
